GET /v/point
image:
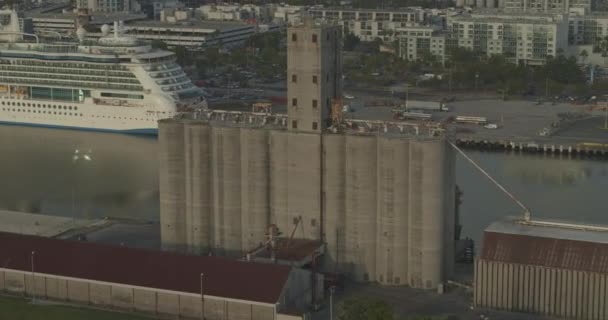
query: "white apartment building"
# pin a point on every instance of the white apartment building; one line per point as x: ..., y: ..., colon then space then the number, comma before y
x: 521, y: 38
x: 235, y: 12
x: 288, y: 14
x: 587, y: 29
x: 418, y: 43
x: 369, y: 25
x: 194, y: 35
x: 557, y: 6
x: 108, y: 6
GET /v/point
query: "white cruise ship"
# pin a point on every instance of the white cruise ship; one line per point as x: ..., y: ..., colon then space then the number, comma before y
x: 115, y: 83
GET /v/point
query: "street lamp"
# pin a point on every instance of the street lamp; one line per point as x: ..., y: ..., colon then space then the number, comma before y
x: 331, y: 302
x: 202, y: 298
x: 33, y: 278
x: 77, y: 157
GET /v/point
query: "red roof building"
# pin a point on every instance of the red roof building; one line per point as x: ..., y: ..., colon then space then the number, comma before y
x: 249, y: 281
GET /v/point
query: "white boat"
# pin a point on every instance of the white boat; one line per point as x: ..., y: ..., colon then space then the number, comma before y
x: 115, y: 83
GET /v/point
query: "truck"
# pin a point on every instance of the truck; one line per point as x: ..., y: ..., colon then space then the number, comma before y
x: 416, y: 105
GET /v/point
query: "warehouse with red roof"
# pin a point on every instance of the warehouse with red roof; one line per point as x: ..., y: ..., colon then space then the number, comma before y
x: 544, y: 267
x: 149, y: 281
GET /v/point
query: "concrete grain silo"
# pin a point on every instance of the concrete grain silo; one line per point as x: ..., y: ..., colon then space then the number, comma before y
x: 360, y: 235
x: 433, y: 214
x: 380, y: 202
x: 392, y: 211
x: 335, y: 194
x: 278, y: 180
x: 226, y: 186
x: 255, y: 186
x: 172, y: 185
x: 480, y: 3
x: 460, y: 3
x: 197, y: 147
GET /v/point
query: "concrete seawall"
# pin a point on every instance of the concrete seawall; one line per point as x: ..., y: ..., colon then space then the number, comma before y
x: 159, y: 302
x: 383, y: 204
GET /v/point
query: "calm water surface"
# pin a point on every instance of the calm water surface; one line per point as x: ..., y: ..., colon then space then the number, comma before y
x: 38, y: 174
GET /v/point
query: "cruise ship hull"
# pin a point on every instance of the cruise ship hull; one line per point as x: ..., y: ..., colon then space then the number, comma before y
x: 79, y: 116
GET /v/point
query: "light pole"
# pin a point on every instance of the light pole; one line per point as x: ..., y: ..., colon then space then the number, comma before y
x: 331, y: 302
x: 202, y: 298
x: 476, y: 80
x: 33, y: 279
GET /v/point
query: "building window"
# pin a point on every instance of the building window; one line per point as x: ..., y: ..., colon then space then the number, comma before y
x: 294, y: 37
x: 294, y: 124
x: 314, y: 38
x: 315, y: 104
x: 294, y: 78
x: 315, y: 80
x: 314, y: 126
x: 294, y: 102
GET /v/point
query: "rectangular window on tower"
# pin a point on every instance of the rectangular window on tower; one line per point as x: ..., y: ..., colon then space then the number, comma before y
x: 315, y: 79
x: 314, y: 38
x: 294, y: 124
x: 294, y: 37
x: 315, y: 104
x: 314, y: 126
x: 294, y: 78
x: 294, y: 102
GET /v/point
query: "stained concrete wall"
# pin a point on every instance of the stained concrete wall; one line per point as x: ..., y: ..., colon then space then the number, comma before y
x: 384, y: 205
x: 553, y: 292
x: 130, y: 298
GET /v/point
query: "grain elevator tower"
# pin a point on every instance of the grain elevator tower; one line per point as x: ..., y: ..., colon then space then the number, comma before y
x: 314, y: 74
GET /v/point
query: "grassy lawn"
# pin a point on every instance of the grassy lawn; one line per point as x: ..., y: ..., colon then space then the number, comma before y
x: 20, y: 309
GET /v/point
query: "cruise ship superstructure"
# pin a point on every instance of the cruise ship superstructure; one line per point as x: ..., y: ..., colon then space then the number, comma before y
x: 115, y: 83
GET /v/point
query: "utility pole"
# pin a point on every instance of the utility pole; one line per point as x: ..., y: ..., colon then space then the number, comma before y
x: 606, y: 116
x: 33, y: 279
x: 202, y: 299
x: 331, y: 302
x: 547, y: 87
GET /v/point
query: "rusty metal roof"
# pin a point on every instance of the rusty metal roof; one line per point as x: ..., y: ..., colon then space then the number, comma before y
x: 154, y: 269
x: 533, y: 245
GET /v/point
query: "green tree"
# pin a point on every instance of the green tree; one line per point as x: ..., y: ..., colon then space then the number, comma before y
x: 583, y: 54
x: 365, y: 309
x: 351, y: 41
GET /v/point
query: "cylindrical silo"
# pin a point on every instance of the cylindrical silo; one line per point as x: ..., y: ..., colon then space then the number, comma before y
x: 470, y: 3
x: 392, y: 212
x: 433, y: 211
x: 480, y: 3
x: 334, y: 189
x: 255, y: 184
x: 460, y: 3
x: 490, y: 4
x: 226, y: 168
x: 171, y: 184
x: 361, y: 156
x: 414, y: 242
x: 197, y: 145
x: 278, y: 180
x: 449, y: 211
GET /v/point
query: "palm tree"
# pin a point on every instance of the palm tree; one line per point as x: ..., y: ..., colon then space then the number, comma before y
x: 583, y: 54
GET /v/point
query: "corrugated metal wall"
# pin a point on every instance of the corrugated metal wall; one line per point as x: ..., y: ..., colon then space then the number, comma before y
x: 547, y: 291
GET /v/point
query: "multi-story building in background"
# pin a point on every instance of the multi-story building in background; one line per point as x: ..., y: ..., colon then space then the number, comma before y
x: 527, y: 39
x: 107, y: 5
x: 587, y: 29
x: 369, y: 25
x: 419, y: 43
x: 561, y: 6
x: 231, y: 12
